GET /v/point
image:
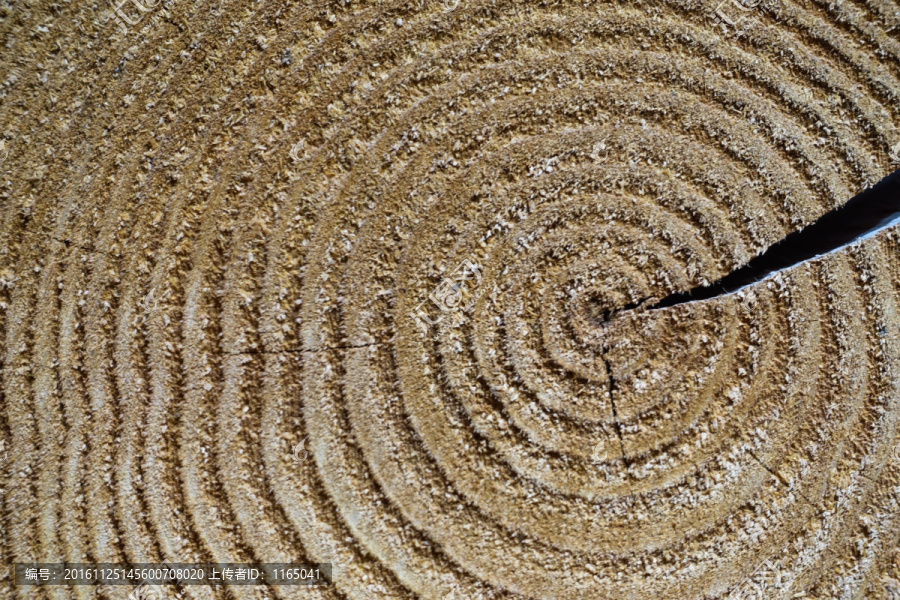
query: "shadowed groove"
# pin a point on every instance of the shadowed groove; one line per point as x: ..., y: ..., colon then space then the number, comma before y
x: 863, y: 216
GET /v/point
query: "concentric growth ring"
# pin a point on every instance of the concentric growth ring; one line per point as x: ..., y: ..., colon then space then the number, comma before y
x: 367, y: 283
